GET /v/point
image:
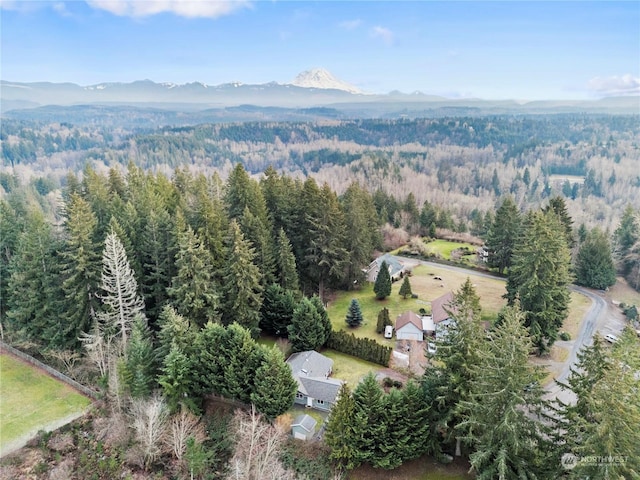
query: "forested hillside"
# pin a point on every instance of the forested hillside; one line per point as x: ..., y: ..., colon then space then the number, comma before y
x: 463, y: 163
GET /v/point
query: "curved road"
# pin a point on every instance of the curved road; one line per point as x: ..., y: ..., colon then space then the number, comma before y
x: 596, y: 315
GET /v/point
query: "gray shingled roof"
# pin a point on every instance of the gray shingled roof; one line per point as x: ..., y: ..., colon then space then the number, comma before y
x: 310, y: 364
x: 305, y: 421
x: 394, y: 264
x: 325, y: 389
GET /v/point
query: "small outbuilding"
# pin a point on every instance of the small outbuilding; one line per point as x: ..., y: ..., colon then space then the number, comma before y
x: 303, y: 427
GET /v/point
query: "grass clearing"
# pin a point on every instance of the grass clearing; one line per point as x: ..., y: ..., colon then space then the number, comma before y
x: 445, y: 247
x: 423, y: 283
x: 622, y: 292
x: 423, y: 468
x: 31, y: 400
x: 578, y: 308
x: 348, y: 368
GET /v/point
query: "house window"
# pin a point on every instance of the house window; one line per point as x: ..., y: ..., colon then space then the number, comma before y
x: 320, y: 402
x: 299, y: 396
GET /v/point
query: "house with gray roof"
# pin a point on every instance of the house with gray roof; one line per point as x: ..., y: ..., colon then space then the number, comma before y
x: 311, y: 371
x: 396, y: 267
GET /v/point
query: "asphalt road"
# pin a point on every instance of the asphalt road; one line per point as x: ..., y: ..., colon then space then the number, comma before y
x: 597, y: 317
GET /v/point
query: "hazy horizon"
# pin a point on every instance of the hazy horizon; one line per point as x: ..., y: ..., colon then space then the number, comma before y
x: 488, y: 50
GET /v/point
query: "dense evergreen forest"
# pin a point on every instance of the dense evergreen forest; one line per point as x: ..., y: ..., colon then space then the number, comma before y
x: 465, y: 163
x: 158, y: 259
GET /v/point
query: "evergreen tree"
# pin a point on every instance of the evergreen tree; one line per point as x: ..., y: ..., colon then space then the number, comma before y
x: 627, y: 246
x: 120, y: 298
x: 502, y: 417
x: 341, y: 434
x: 34, y: 303
x: 140, y: 366
x: 80, y: 269
x: 276, y: 311
x: 539, y: 277
x: 354, y: 315
x: 275, y: 388
x: 174, y: 330
x: 449, y: 382
x: 242, y: 290
x: 369, y: 425
x: 603, y: 422
x: 405, y: 288
x: 243, y: 192
x: 325, y: 321
x: 258, y: 234
x: 286, y: 263
x: 383, y: 320
x: 192, y: 290
x: 393, y: 450
x: 177, y: 379
x: 382, y: 285
x: 416, y: 427
x: 503, y: 235
x: 594, y: 263
x: 306, y: 331
x: 559, y: 207
x: 363, y: 238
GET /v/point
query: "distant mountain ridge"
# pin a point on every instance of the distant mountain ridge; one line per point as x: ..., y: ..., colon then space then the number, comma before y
x: 310, y: 89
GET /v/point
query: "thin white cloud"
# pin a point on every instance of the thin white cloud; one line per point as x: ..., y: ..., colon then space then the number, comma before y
x: 350, y: 24
x: 20, y: 5
x: 383, y: 33
x: 615, y: 85
x: 182, y: 8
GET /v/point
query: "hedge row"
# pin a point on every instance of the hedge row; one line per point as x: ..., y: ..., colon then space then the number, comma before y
x: 364, y: 348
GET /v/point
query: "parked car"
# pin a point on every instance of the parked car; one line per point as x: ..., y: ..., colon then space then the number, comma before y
x: 610, y: 338
x: 431, y: 348
x: 388, y: 331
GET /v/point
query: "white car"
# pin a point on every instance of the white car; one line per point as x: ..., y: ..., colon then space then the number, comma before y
x: 610, y: 338
x: 431, y: 348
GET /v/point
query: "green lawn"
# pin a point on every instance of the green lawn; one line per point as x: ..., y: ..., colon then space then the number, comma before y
x: 348, y: 368
x: 31, y: 400
x: 423, y: 284
x: 445, y: 247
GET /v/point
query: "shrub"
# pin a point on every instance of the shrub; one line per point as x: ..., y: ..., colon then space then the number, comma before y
x: 364, y: 348
x: 565, y: 336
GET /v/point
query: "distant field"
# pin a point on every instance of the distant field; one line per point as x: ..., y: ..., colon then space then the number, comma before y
x: 31, y: 400
x: 445, y: 247
x: 562, y: 178
x: 426, y: 287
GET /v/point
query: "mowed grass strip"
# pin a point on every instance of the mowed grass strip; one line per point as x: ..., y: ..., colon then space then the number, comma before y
x: 30, y: 400
x: 423, y: 283
x: 348, y: 368
x: 445, y: 247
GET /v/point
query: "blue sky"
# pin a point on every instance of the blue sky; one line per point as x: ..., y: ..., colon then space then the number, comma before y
x: 521, y: 50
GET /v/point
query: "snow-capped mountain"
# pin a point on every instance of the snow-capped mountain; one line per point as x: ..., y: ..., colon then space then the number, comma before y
x: 321, y: 78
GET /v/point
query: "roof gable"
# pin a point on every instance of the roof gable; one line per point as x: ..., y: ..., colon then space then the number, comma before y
x: 408, y: 318
x: 395, y: 266
x: 438, y: 306
x: 325, y: 389
x: 305, y: 421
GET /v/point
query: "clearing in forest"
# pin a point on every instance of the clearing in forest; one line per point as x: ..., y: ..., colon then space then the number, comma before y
x: 31, y: 400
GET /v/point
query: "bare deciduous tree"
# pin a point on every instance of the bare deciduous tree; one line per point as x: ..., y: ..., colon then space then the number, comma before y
x: 257, y: 448
x: 182, y: 426
x: 149, y: 420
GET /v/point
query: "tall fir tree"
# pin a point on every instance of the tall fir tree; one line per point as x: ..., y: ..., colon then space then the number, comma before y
x: 275, y: 388
x: 140, y: 367
x: 502, y: 418
x: 559, y: 207
x: 192, y: 290
x: 325, y: 321
x: 80, y: 269
x: 341, y: 434
x: 382, y: 285
x: 306, y: 331
x: 277, y: 310
x: 503, y: 235
x: 354, y: 314
x: 34, y: 304
x: 369, y: 413
x: 594, y: 266
x: 286, y: 263
x: 242, y: 289
x: 258, y: 234
x: 540, y: 276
